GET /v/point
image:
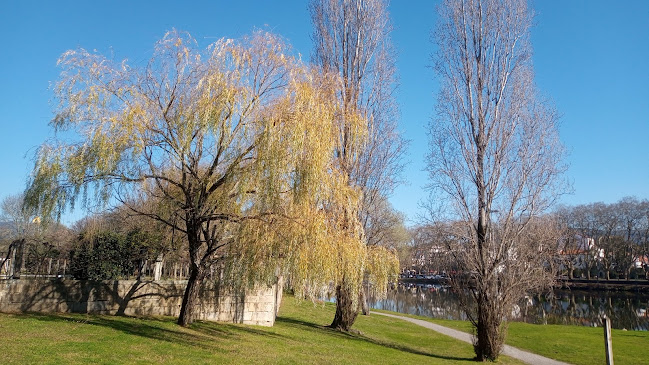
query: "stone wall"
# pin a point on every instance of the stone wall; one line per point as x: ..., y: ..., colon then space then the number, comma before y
x: 141, y: 298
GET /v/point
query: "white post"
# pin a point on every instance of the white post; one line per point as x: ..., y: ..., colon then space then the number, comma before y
x: 157, y: 271
x: 608, y: 340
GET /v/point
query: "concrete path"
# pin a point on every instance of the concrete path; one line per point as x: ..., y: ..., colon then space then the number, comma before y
x: 510, y: 351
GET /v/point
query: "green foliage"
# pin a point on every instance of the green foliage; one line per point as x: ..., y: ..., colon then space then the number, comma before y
x: 38, y: 253
x: 144, y: 244
x: 108, y: 255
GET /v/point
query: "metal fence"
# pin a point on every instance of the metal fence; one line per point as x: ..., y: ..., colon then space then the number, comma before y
x: 160, y: 269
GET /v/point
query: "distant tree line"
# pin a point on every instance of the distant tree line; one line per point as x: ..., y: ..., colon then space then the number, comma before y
x: 597, y: 240
x: 618, y: 234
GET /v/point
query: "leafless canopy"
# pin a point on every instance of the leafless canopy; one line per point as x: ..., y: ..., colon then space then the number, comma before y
x: 495, y: 156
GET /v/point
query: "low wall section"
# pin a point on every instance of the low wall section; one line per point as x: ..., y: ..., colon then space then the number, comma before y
x: 134, y: 297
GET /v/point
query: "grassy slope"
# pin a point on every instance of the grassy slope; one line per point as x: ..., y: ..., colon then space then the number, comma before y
x: 297, y: 337
x: 572, y: 344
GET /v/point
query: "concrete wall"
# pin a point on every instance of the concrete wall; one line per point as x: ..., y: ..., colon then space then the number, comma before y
x: 133, y: 297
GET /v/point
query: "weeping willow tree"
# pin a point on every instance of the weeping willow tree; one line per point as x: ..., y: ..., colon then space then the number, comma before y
x: 231, y: 146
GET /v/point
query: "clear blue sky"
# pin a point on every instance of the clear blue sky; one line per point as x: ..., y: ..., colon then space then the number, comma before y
x: 591, y: 57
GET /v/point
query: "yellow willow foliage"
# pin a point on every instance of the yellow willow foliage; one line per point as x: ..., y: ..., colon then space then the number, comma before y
x: 382, y: 268
x: 319, y: 244
x: 323, y: 254
x: 236, y: 146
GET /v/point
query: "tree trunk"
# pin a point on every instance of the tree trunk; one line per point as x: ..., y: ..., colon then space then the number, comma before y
x: 190, y: 298
x: 346, y: 311
x: 364, y: 295
x: 489, y: 337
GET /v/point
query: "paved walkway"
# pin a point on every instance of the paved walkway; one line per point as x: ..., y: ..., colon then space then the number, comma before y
x: 510, y: 351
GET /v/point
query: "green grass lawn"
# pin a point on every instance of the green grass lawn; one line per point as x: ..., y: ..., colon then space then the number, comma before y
x: 572, y: 344
x: 299, y: 336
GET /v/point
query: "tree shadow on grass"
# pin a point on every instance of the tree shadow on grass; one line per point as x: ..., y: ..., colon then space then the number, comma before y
x: 230, y: 329
x: 203, y: 335
x: 296, y: 323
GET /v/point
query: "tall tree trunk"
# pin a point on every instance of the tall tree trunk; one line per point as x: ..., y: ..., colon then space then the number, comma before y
x: 346, y: 311
x: 190, y: 298
x: 489, y: 335
x: 196, y: 272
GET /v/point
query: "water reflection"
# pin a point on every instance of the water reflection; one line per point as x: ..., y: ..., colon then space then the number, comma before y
x: 626, y: 310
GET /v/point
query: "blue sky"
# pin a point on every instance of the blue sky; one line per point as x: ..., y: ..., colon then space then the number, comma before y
x: 591, y: 57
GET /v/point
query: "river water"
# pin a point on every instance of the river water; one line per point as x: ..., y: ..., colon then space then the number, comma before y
x: 627, y: 310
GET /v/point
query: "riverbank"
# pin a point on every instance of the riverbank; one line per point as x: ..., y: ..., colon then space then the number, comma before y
x: 627, y: 309
x: 565, y: 283
x: 641, y: 286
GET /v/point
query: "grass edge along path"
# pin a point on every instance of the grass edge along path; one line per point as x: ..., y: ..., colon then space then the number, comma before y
x: 574, y: 344
x: 525, y: 356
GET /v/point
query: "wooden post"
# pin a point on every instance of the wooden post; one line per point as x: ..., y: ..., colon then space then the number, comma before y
x: 608, y: 340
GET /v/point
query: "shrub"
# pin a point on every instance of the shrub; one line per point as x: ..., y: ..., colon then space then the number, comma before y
x: 104, y: 256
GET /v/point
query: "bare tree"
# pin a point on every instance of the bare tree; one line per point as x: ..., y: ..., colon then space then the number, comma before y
x: 494, y: 160
x: 631, y: 214
x: 385, y: 226
x: 17, y: 226
x: 32, y: 241
x: 352, y: 39
x: 20, y: 223
x: 577, y: 249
